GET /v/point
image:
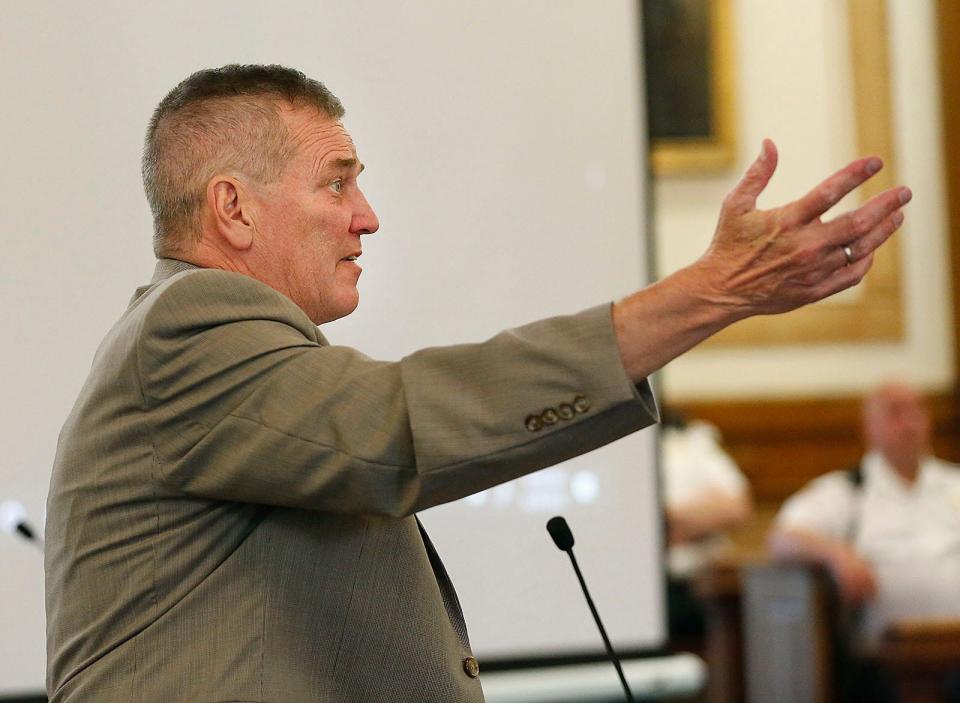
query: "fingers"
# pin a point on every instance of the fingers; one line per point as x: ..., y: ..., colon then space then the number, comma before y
x: 830, y: 191
x: 868, y: 243
x: 844, y: 277
x: 743, y: 197
x: 848, y: 273
x: 860, y: 223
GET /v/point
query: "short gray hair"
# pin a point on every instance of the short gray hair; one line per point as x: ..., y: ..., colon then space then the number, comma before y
x: 220, y: 120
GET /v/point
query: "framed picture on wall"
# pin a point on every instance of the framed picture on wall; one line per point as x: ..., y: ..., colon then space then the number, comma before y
x: 689, y: 84
x: 874, y: 311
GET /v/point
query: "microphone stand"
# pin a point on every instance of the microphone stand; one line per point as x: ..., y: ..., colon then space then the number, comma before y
x: 603, y: 633
x: 562, y: 536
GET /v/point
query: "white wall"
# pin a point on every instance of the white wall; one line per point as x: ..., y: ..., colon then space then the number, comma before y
x: 793, y: 85
x: 504, y: 153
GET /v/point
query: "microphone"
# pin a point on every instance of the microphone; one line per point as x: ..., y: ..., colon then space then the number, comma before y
x: 13, y: 519
x: 562, y: 537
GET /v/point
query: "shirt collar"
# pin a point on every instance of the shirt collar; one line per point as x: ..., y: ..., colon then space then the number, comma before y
x: 877, y: 468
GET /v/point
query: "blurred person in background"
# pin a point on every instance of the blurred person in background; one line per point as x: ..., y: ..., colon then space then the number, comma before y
x: 888, y: 530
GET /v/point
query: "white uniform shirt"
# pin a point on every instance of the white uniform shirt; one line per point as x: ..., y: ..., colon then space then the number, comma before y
x: 910, y: 535
x: 694, y: 463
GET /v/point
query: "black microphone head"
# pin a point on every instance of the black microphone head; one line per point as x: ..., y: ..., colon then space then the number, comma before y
x: 560, y: 531
x: 25, y: 531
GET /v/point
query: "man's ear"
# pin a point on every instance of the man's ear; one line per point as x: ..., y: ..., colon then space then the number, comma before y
x: 229, y: 206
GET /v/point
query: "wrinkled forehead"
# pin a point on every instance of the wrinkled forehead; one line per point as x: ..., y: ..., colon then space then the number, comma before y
x: 320, y: 135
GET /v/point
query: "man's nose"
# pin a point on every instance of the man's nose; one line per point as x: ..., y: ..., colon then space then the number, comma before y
x: 364, y: 218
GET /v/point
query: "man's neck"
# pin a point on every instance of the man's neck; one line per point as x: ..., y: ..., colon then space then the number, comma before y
x: 208, y: 257
x: 907, y: 468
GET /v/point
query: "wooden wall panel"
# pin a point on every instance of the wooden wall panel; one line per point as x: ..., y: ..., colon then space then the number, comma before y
x: 782, y: 444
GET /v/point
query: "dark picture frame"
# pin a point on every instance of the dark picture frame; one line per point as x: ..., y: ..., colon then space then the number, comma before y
x: 689, y: 84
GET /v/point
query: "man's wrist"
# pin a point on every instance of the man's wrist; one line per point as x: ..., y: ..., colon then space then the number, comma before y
x: 707, y: 289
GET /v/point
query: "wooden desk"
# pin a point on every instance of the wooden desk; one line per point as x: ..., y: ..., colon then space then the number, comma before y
x: 921, y: 654
x: 719, y: 589
x: 786, y: 602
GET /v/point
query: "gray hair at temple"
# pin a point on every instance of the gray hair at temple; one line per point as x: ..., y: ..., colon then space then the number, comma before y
x: 221, y: 120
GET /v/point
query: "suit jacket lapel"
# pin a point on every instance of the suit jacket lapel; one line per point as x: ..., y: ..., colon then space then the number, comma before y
x: 450, y: 601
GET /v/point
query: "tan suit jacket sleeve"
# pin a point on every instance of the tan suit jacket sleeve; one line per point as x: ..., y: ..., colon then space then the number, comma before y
x: 255, y: 406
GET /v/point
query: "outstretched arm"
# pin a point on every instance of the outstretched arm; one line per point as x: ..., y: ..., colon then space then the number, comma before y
x: 759, y: 262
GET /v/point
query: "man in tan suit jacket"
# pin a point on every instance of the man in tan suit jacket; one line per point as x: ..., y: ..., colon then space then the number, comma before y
x: 232, y: 508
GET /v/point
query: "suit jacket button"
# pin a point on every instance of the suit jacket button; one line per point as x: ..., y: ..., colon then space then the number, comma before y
x: 534, y: 423
x: 549, y: 416
x: 581, y: 404
x: 565, y: 411
x: 471, y: 667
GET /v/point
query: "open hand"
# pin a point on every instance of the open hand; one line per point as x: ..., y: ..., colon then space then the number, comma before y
x: 770, y: 261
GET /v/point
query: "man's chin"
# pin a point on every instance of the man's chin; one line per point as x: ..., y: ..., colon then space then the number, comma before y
x: 335, y: 312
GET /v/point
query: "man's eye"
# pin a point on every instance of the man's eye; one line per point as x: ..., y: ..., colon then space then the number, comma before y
x: 337, y: 186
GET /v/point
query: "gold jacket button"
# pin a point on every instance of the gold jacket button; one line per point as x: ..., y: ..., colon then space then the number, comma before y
x: 581, y: 404
x: 549, y: 416
x: 533, y: 423
x: 471, y: 667
x: 565, y: 411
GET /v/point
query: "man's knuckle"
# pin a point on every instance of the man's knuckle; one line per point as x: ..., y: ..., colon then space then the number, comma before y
x: 860, y: 224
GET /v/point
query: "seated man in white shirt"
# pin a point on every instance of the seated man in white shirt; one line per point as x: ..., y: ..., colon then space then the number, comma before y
x: 888, y: 530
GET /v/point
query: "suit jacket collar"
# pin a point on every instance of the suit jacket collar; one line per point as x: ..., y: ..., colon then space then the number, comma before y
x: 164, y: 269
x: 168, y: 267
